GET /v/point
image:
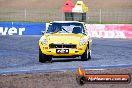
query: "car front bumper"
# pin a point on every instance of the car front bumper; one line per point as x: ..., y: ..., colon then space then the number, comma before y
x: 72, y: 51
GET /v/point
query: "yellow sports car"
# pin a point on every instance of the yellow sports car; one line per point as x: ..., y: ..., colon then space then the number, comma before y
x: 65, y: 39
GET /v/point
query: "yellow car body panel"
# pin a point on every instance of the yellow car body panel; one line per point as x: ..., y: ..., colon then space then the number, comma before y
x: 64, y: 38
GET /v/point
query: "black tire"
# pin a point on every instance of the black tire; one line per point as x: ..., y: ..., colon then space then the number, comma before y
x: 89, y: 55
x: 43, y: 58
x: 86, y: 55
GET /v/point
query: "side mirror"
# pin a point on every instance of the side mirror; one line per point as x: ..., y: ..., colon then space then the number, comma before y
x: 43, y: 32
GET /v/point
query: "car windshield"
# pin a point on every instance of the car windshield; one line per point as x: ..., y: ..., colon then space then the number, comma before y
x: 66, y: 28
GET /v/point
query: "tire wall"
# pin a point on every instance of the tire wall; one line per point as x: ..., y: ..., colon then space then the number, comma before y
x: 94, y: 30
x: 21, y: 28
x: 110, y: 30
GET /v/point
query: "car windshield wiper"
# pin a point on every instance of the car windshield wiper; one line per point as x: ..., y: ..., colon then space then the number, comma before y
x: 58, y: 31
x: 54, y: 32
x: 78, y: 33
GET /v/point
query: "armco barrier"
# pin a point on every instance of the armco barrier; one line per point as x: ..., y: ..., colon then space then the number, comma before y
x: 110, y: 30
x: 21, y: 28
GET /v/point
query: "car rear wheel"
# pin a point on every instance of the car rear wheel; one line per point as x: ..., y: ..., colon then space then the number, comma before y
x: 43, y: 58
x: 86, y: 55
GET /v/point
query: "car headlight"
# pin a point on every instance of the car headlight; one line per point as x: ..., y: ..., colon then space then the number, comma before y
x: 43, y: 40
x: 83, y: 41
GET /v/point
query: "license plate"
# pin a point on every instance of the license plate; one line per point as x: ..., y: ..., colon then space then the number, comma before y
x: 62, y: 51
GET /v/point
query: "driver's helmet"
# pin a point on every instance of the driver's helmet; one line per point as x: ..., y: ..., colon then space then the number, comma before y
x: 77, y: 30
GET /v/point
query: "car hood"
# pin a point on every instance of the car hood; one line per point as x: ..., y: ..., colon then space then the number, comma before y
x: 64, y: 38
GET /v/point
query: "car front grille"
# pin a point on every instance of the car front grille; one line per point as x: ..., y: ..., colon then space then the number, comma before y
x: 62, y: 46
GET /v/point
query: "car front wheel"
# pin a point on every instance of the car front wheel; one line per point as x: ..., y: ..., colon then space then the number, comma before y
x: 86, y: 55
x: 43, y: 58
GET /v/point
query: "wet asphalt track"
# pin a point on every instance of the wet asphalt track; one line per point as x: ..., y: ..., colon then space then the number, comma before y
x: 20, y: 54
